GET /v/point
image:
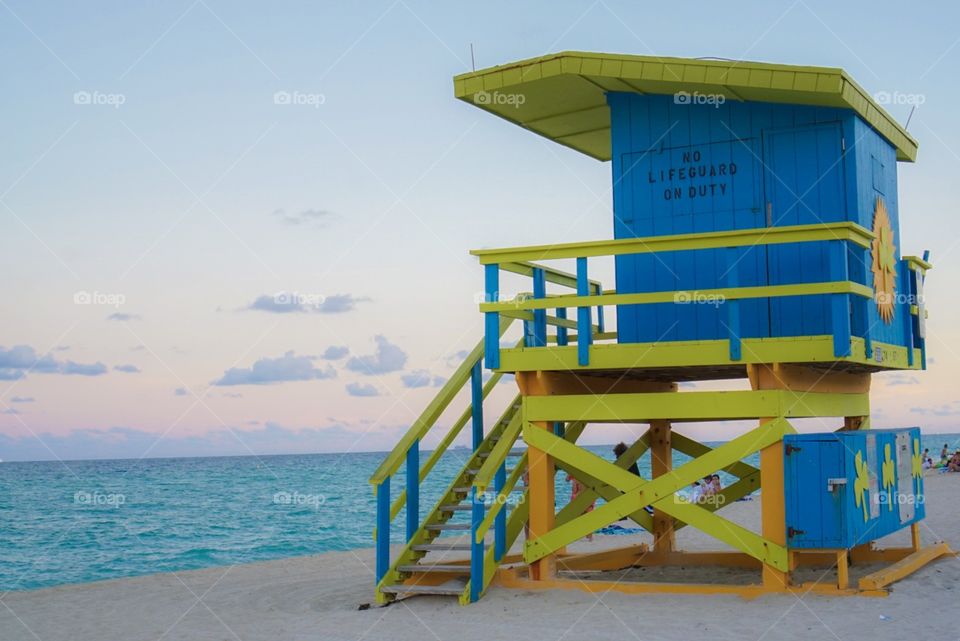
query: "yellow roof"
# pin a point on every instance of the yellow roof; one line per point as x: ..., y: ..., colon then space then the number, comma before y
x: 562, y: 96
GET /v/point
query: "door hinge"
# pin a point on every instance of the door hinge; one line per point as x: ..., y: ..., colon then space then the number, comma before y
x: 792, y: 532
x: 790, y: 449
x: 843, y: 143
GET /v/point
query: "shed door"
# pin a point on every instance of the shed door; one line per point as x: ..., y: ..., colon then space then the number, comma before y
x: 803, y: 185
x: 814, y: 513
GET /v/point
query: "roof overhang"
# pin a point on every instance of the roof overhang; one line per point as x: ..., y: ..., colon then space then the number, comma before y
x: 562, y: 96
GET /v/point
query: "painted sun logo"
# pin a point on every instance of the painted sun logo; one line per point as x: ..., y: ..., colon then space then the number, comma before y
x: 884, y: 256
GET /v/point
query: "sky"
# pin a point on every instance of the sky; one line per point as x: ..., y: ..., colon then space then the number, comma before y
x: 241, y: 227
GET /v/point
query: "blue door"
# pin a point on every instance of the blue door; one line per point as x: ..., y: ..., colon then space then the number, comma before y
x: 803, y: 185
x: 814, y: 509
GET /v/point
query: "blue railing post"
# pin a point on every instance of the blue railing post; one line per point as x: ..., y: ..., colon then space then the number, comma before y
x: 562, y: 331
x: 476, y: 401
x: 476, y: 548
x: 539, y: 315
x: 903, y: 269
x: 383, y: 529
x: 600, y: 323
x: 839, y: 303
x: 491, y: 320
x: 733, y: 306
x: 500, y: 521
x: 584, y: 331
x: 413, y: 489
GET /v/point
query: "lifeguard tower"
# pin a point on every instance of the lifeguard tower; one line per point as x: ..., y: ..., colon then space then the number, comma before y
x: 756, y: 237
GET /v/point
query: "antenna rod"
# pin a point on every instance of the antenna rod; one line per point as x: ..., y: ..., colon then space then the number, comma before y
x: 473, y: 62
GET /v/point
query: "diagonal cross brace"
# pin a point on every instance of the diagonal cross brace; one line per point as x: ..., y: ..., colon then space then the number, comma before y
x: 638, y: 493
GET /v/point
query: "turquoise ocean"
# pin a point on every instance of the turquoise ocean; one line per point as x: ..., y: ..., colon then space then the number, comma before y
x: 80, y: 521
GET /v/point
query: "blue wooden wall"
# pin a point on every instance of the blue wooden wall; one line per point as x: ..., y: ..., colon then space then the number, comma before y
x: 754, y: 165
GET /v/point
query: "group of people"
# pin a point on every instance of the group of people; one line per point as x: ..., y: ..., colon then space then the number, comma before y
x: 701, y: 490
x: 949, y: 462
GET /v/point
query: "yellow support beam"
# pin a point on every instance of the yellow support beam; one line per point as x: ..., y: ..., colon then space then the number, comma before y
x: 695, y: 406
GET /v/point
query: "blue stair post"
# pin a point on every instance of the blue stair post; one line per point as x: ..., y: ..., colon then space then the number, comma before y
x: 383, y: 529
x: 413, y: 489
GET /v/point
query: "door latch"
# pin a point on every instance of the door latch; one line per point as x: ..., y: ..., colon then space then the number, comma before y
x: 833, y: 484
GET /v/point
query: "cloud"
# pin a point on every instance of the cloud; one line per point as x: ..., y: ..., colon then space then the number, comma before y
x: 180, y: 391
x: 387, y: 358
x: 284, y: 302
x: 127, y: 369
x: 232, y: 395
x: 361, y: 389
x: 123, y: 316
x: 10, y: 412
x: 83, y: 369
x: 19, y: 360
x: 340, y: 303
x: 22, y: 399
x: 439, y: 381
x: 265, y: 371
x: 942, y: 410
x: 317, y: 216
x: 416, y: 378
x: 335, y: 352
x: 900, y: 379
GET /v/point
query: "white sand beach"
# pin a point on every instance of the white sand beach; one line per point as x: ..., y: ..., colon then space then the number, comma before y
x: 318, y: 597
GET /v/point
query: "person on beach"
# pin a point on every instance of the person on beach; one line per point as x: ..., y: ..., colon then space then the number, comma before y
x: 715, y: 486
x: 945, y: 452
x: 707, y: 483
x: 619, y: 450
x: 954, y: 464
x: 696, y: 492
x: 576, y: 489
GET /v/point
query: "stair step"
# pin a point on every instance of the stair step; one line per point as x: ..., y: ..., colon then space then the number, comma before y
x: 440, y: 590
x: 449, y: 526
x: 456, y: 508
x: 440, y: 547
x: 436, y: 567
x: 476, y: 470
